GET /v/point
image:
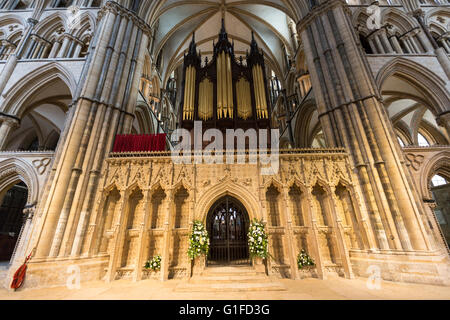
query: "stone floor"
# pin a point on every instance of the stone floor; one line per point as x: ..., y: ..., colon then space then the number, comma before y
x: 306, y: 289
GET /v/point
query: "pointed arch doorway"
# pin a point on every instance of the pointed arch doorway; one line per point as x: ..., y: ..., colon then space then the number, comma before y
x: 227, y: 224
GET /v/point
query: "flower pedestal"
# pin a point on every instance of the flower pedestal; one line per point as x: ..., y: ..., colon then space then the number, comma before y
x: 198, y: 265
x: 259, y: 264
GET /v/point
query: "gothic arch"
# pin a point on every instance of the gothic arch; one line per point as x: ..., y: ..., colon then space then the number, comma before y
x: 49, y: 24
x: 247, y: 199
x: 86, y: 21
x: 399, y: 19
x: 10, y: 18
x: 144, y: 119
x: 17, y: 96
x: 14, y: 170
x: 303, y: 131
x: 431, y: 85
x: 440, y: 162
x: 439, y: 11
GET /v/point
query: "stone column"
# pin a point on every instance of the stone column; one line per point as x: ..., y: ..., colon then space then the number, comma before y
x: 118, y: 236
x: 349, y: 100
x: 46, y: 49
x: 313, y: 235
x: 36, y: 50
x: 120, y: 37
x: 445, y: 45
x: 7, y: 124
x: 338, y: 231
x: 441, y: 55
x: 12, y: 59
x: 289, y: 234
x: 378, y: 44
x: 167, y: 237
x: 408, y: 44
x: 63, y: 49
x: 54, y: 50
x: 413, y: 40
x: 143, y: 235
x: 385, y: 41
x: 77, y: 51
x: 396, y: 44
x: 372, y: 46
x: 424, y: 41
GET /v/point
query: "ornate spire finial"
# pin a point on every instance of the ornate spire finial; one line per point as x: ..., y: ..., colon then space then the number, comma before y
x: 254, y: 44
x: 223, y: 32
x: 192, y: 46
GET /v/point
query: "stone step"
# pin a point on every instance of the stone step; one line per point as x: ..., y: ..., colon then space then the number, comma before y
x: 230, y: 287
x: 230, y: 279
x: 230, y: 271
x: 227, y: 278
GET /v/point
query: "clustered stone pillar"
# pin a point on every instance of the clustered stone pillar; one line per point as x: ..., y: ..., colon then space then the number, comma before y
x: 107, y: 91
x: 12, y: 59
x: 440, y: 52
x: 352, y: 115
x: 7, y: 123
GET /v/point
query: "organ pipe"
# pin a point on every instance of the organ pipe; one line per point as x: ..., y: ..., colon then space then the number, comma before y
x: 205, y: 108
x: 244, y: 102
x: 260, y: 92
x: 225, y: 103
x: 189, y: 94
x: 209, y: 88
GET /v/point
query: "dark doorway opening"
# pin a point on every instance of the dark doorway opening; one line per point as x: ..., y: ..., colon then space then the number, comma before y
x: 11, y: 219
x: 227, y: 225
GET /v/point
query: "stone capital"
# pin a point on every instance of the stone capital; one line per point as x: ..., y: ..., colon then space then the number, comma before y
x: 418, y: 14
x: 117, y: 9
x: 443, y: 120
x: 29, y: 212
x: 32, y: 22
x: 318, y: 11
x: 9, y: 121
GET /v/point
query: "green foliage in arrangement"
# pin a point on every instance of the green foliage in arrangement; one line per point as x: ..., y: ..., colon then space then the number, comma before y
x: 257, y: 239
x: 154, y: 264
x: 198, y: 241
x: 304, y: 260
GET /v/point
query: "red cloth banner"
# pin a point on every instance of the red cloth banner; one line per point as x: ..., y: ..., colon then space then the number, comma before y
x: 140, y: 143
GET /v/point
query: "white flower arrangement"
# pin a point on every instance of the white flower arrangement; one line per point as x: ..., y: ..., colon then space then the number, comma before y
x: 198, y: 241
x: 154, y: 264
x: 304, y: 260
x: 257, y: 239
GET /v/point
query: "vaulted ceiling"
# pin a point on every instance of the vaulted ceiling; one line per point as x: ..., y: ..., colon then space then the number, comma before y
x: 177, y: 20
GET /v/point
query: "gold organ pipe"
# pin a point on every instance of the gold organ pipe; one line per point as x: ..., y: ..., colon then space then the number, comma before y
x: 200, y: 101
x: 224, y: 86
x: 263, y: 90
x: 239, y: 97
x: 230, y: 103
x: 211, y: 99
x: 247, y: 98
x: 258, y: 74
x: 219, y: 87
x: 191, y: 84
x: 194, y: 74
x: 260, y: 92
x: 186, y: 90
x: 256, y: 87
x: 205, y: 99
x: 244, y: 100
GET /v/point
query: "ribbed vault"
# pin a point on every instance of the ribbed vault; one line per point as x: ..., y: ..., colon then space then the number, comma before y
x: 271, y: 21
